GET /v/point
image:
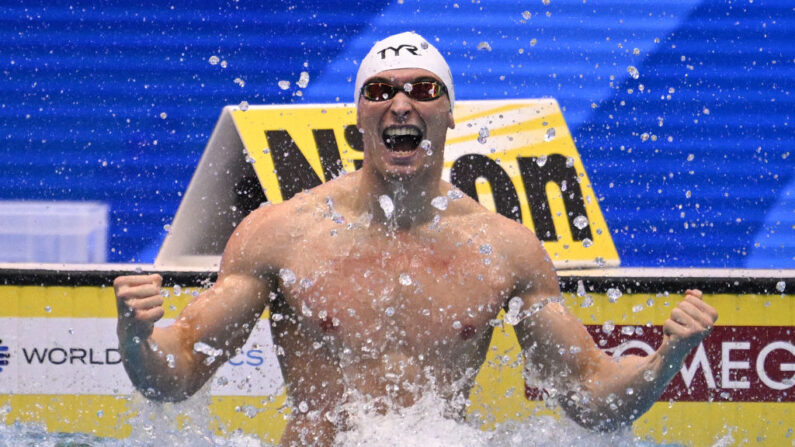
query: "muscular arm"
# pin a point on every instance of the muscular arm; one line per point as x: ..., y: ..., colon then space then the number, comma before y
x: 597, y: 391
x: 166, y: 363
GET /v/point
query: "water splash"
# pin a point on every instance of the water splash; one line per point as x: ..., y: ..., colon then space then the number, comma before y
x: 440, y: 203
x: 387, y: 205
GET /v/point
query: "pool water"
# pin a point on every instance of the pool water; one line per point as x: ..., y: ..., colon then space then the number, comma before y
x: 420, y: 425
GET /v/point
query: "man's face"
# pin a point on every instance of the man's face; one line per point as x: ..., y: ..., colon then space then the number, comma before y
x: 394, y: 129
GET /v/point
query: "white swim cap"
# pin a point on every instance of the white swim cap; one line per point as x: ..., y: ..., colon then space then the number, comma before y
x: 404, y: 50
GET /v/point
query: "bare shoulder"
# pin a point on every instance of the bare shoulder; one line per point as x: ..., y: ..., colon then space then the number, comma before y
x: 267, y: 236
x: 260, y: 240
x: 522, y: 252
x: 530, y: 262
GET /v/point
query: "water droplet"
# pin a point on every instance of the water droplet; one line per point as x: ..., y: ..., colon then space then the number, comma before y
x: 240, y: 82
x: 533, y: 42
x: 515, y: 304
x: 214, y: 60
x: 250, y: 160
x: 284, y: 85
x: 780, y: 286
x: 427, y: 146
x: 569, y: 162
x: 47, y: 309
x: 580, y: 221
x: 100, y: 413
x: 287, y: 276
x: 628, y: 330
x: 541, y: 160
x: 484, y: 46
x: 303, y: 80
x: 637, y: 308
x: 705, y: 111
x: 648, y: 375
x: 550, y: 134
x: 224, y: 64
x: 688, y: 194
x: 163, y: 115
x: 587, y: 243
x: 455, y: 194
x: 390, y: 311
x: 204, y: 348
x: 243, y: 106
x: 306, y: 310
x: 608, y: 327
x: 404, y: 279
x: 486, y: 249
x: 644, y: 136
x: 633, y: 72
x: 407, y: 87
x: 277, y: 317
x: 457, y: 325
x: 613, y: 294
x: 630, y: 391
x: 546, y: 2
x: 483, y: 134
x: 580, y: 288
x: 512, y: 318
x: 303, y: 407
x: 424, y: 45
x: 526, y: 15
x: 170, y: 361
x: 386, y: 205
x: 440, y: 203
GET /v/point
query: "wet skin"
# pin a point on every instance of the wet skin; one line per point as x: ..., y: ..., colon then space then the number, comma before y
x: 388, y: 306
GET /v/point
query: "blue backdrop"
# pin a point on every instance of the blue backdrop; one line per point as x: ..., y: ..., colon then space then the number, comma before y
x: 682, y: 113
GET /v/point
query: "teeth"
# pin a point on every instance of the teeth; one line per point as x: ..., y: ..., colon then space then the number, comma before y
x: 401, y: 131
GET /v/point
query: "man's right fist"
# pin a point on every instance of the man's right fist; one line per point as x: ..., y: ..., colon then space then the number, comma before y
x: 140, y: 304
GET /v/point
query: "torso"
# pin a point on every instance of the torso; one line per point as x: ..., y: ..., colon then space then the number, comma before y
x: 387, y: 314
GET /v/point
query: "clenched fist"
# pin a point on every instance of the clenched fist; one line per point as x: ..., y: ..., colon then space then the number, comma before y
x: 140, y: 305
x: 690, y: 322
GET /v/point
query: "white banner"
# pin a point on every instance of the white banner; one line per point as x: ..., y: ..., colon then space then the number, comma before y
x: 81, y: 356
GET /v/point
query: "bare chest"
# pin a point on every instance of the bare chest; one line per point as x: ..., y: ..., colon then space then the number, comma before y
x: 385, y: 294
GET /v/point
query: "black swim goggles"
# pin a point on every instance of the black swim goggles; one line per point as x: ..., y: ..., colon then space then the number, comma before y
x: 418, y: 90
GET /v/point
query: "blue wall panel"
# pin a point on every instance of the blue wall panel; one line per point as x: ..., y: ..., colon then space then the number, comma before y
x: 691, y: 159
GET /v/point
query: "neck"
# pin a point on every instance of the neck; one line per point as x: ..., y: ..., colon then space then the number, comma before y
x: 399, y: 203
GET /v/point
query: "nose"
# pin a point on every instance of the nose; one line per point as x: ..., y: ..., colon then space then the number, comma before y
x: 401, y: 106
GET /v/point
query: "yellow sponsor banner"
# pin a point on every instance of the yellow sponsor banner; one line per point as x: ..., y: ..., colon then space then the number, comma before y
x: 591, y: 308
x: 499, y: 393
x: 516, y: 156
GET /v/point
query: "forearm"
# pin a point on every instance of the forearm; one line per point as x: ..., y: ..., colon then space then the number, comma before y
x: 159, y: 366
x: 620, y: 392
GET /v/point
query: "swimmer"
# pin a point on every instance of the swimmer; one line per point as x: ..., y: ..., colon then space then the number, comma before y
x: 384, y: 295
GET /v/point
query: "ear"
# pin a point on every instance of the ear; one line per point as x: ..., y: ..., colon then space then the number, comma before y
x: 451, y: 121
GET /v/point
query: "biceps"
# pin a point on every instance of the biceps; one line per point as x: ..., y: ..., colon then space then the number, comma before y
x: 557, y: 344
x: 225, y: 315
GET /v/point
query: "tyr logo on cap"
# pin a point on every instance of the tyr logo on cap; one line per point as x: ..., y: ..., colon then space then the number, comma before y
x: 410, y: 48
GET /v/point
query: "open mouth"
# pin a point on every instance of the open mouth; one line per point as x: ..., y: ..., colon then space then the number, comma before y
x: 404, y: 139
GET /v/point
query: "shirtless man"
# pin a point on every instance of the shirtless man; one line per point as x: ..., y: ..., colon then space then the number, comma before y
x: 380, y: 294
